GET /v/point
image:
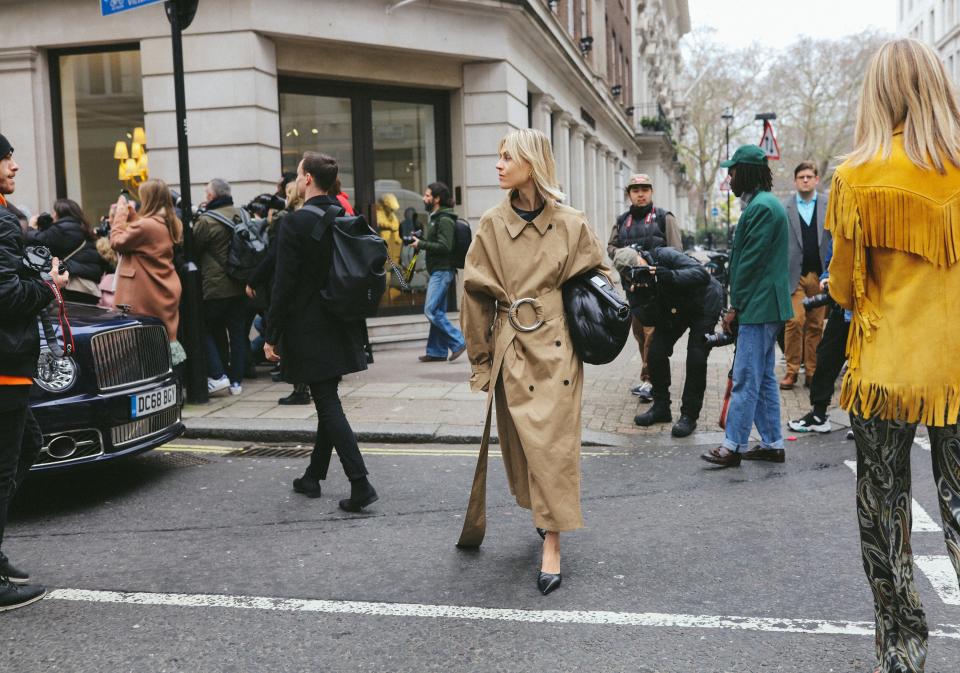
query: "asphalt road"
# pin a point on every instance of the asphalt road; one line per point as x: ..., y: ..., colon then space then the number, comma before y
x: 680, y: 569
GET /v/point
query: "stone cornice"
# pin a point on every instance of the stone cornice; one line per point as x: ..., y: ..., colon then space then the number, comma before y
x: 12, y: 60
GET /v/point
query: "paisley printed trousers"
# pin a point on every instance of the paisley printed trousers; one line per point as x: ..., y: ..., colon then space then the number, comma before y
x: 884, y: 510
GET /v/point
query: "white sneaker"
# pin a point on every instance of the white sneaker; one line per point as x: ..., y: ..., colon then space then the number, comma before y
x: 216, y: 385
x: 235, y: 389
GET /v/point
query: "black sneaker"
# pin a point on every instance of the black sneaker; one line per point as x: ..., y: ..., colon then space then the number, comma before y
x: 13, y: 574
x: 13, y: 596
x: 307, y: 485
x: 810, y: 423
x: 296, y: 397
x: 684, y: 426
x: 644, y: 391
x: 655, y: 414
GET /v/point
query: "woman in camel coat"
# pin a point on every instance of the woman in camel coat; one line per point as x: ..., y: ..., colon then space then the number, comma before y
x: 525, y: 249
x: 146, y: 278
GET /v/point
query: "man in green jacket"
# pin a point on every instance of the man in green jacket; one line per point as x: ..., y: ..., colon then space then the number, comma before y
x: 438, y: 245
x: 759, y: 303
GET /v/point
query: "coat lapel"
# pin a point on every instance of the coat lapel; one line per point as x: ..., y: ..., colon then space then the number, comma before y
x: 793, y: 215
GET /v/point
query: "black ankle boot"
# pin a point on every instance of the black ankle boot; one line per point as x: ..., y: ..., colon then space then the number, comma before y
x: 684, y: 426
x: 307, y: 485
x: 362, y: 494
x: 658, y: 413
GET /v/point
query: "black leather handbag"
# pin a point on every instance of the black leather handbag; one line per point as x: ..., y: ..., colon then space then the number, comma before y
x: 598, y: 318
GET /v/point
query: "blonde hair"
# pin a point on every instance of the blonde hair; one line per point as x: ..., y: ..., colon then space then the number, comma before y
x: 907, y: 84
x: 155, y: 199
x: 294, y: 200
x: 533, y: 147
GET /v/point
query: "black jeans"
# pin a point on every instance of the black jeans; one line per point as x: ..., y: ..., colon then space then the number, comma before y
x: 831, y: 354
x: 226, y: 316
x: 20, y: 442
x: 665, y: 337
x: 333, y: 430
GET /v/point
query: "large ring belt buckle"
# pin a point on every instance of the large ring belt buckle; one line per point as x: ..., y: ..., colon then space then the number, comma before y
x: 512, y: 315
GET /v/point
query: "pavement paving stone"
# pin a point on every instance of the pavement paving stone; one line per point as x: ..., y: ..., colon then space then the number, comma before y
x: 410, y: 397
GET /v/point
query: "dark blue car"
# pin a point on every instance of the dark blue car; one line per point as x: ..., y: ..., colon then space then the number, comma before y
x: 116, y: 396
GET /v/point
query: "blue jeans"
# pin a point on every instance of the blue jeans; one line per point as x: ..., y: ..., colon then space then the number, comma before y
x: 755, y: 398
x: 443, y: 335
x: 226, y: 317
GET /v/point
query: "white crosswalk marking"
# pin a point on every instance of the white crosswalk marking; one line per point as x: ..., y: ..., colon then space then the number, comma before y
x: 942, y: 576
x: 922, y: 523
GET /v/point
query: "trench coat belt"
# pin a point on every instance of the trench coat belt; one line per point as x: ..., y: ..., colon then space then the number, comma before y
x: 548, y: 306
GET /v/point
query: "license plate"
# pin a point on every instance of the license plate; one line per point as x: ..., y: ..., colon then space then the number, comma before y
x: 145, y: 404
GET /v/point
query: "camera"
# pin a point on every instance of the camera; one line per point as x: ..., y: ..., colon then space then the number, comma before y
x: 39, y: 259
x: 44, y: 220
x: 102, y: 229
x: 817, y: 300
x: 642, y: 276
x: 260, y: 205
x: 407, y: 240
x: 721, y: 339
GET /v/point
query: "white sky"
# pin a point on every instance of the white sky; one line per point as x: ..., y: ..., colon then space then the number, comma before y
x: 777, y: 23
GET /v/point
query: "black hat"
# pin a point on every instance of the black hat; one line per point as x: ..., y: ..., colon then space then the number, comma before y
x: 5, y: 147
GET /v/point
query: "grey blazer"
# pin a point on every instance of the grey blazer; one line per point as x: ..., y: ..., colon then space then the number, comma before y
x: 795, y: 240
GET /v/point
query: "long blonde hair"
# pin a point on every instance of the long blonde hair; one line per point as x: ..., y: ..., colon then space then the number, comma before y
x: 533, y: 147
x: 155, y: 199
x: 294, y: 200
x: 907, y: 84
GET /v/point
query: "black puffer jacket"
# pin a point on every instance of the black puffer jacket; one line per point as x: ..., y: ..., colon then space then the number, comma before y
x: 684, y: 291
x: 63, y: 237
x: 22, y: 296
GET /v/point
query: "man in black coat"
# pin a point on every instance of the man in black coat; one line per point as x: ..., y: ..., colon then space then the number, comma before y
x: 23, y: 295
x: 318, y: 348
x: 674, y: 293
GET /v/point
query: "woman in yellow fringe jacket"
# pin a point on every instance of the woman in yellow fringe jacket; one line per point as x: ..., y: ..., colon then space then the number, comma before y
x: 895, y: 217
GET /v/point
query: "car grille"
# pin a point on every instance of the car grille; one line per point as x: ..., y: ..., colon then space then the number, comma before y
x: 144, y: 427
x: 89, y: 444
x: 131, y: 355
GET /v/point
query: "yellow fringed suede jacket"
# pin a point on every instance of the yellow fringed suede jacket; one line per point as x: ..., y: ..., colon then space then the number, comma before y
x: 896, y: 244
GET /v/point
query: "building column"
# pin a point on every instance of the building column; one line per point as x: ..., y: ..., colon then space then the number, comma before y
x: 543, y: 105
x: 494, y: 103
x: 229, y: 76
x: 603, y: 191
x: 25, y: 120
x: 577, y: 166
x: 613, y: 188
x: 561, y: 150
x: 590, y: 184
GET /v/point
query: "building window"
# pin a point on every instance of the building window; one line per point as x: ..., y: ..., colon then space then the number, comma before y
x: 98, y: 100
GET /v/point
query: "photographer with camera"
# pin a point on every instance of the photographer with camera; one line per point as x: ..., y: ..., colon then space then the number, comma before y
x: 674, y: 293
x: 760, y: 303
x: 24, y: 294
x: 642, y: 224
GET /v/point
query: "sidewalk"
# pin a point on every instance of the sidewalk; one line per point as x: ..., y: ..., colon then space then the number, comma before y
x: 399, y: 399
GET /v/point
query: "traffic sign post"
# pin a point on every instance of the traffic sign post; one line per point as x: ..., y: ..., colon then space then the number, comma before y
x: 768, y: 141
x: 108, y: 7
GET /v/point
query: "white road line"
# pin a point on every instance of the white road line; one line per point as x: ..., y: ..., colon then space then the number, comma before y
x: 592, y: 617
x: 922, y: 442
x: 942, y: 576
x: 922, y: 523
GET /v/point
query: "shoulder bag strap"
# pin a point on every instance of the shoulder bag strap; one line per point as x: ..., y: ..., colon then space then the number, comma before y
x: 79, y: 248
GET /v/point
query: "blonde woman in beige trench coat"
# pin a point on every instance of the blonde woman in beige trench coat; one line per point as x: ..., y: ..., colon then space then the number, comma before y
x: 519, y: 346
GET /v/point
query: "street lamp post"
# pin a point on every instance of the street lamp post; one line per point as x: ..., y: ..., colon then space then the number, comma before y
x: 727, y: 117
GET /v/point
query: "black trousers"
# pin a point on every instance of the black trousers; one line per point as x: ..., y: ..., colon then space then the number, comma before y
x: 20, y: 443
x: 333, y: 430
x: 831, y: 354
x: 664, y: 338
x: 226, y: 317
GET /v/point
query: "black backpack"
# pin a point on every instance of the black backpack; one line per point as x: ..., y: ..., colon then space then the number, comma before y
x: 248, y: 243
x: 462, y: 238
x: 356, y: 280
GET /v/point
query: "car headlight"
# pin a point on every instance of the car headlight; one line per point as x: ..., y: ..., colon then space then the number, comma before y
x: 55, y: 375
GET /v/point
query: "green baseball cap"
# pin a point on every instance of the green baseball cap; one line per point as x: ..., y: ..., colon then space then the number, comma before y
x: 746, y: 154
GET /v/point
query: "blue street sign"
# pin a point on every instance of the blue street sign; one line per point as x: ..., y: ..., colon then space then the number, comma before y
x: 715, y: 211
x: 108, y: 7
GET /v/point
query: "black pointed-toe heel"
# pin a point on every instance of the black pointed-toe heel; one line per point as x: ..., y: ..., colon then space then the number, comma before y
x: 547, y: 582
x: 542, y: 533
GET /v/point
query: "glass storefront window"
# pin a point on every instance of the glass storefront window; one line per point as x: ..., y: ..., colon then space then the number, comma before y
x: 101, y: 102
x: 317, y: 124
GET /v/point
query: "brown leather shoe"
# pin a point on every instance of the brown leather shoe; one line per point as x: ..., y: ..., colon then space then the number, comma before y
x: 431, y: 358
x: 788, y: 381
x: 770, y: 455
x: 722, y: 457
x: 455, y: 354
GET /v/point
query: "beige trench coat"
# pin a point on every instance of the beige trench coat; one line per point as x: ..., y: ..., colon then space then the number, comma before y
x: 535, y: 376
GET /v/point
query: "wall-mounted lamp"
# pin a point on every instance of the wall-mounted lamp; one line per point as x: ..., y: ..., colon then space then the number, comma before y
x: 586, y: 44
x: 616, y: 90
x: 628, y: 111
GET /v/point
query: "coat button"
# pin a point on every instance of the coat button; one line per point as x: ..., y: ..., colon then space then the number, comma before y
x: 531, y: 389
x: 549, y: 226
x: 673, y: 311
x: 558, y: 343
x: 566, y: 382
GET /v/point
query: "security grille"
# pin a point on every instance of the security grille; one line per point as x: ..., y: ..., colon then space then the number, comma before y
x: 89, y: 444
x: 144, y: 427
x: 130, y: 355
